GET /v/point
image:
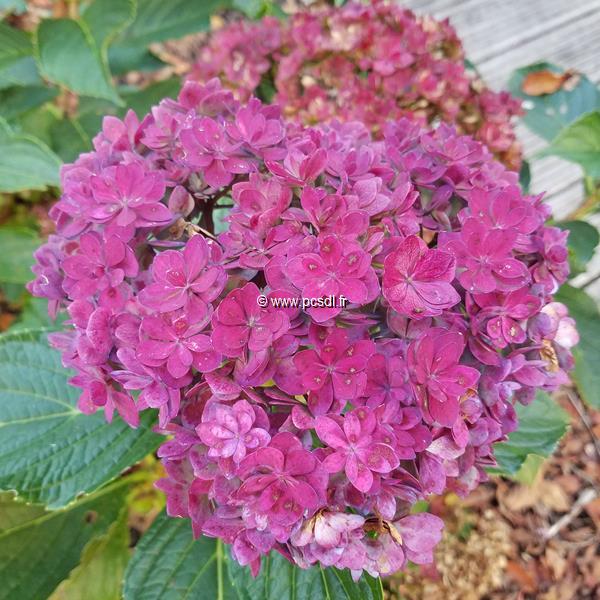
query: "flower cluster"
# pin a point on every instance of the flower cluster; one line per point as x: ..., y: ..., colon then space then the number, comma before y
x: 312, y: 431
x: 368, y: 62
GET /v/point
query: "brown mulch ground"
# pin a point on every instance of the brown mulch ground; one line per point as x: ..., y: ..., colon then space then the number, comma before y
x: 514, y: 541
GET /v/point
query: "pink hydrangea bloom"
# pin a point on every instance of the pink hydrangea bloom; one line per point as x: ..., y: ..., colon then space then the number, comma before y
x: 176, y: 341
x: 308, y: 430
x: 343, y: 272
x: 335, y: 372
x: 439, y: 379
x: 417, y: 280
x: 241, y: 324
x: 184, y: 277
x: 99, y: 265
x: 354, y: 449
x: 484, y: 258
x: 230, y: 431
x: 127, y: 195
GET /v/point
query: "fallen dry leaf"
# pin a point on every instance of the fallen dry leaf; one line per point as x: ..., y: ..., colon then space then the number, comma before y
x: 538, y: 83
x: 523, y: 576
x: 556, y: 563
x: 593, y: 510
x: 543, y: 492
x: 6, y: 320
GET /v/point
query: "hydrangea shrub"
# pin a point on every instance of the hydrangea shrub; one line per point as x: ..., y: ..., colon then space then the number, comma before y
x: 309, y: 429
x: 370, y: 62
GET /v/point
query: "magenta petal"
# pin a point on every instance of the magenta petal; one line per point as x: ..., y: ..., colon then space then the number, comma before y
x: 358, y: 474
x: 334, y: 462
x: 330, y: 432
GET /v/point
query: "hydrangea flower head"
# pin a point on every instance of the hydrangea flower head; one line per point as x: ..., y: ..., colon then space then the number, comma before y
x: 296, y: 422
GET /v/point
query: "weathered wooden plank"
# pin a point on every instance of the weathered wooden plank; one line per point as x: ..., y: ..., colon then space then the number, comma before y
x: 565, y: 201
x: 500, y: 35
x: 490, y: 27
x: 574, y: 45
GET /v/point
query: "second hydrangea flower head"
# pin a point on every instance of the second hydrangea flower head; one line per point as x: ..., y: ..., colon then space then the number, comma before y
x: 365, y: 61
x: 310, y: 431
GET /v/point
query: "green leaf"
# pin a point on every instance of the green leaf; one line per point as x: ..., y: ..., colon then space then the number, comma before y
x: 586, y: 374
x: 14, y: 44
x: 525, y: 176
x: 141, y: 101
x: 69, y: 139
x: 529, y: 469
x: 69, y: 56
x: 123, y: 59
x: 582, y: 242
x: 266, y: 88
x: 49, y: 451
x: 91, y: 114
x: 253, y: 9
x: 17, y: 101
x: 548, y: 114
x: 38, y: 549
x: 34, y: 315
x: 580, y: 143
x: 38, y: 123
x: 106, y: 19
x: 17, y: 245
x: 26, y: 163
x: 14, y: 512
x: 280, y: 580
x: 22, y: 72
x: 168, y: 564
x: 541, y: 425
x: 99, y: 575
x: 158, y: 20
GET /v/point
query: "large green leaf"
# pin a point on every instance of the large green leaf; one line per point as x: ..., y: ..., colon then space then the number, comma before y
x: 34, y: 315
x: 582, y: 242
x: 39, y: 122
x: 23, y: 71
x: 16, y: 101
x: 14, y: 44
x: 280, y: 580
x: 169, y: 564
x: 99, y: 575
x: 69, y: 56
x: 50, y: 452
x: 69, y: 139
x: 123, y: 59
x: 106, y: 19
x: 26, y: 163
x: 548, y: 114
x: 254, y: 9
x: 157, y: 20
x: 38, y: 549
x: 580, y: 143
x: 541, y: 425
x: 587, y: 353
x: 17, y: 245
